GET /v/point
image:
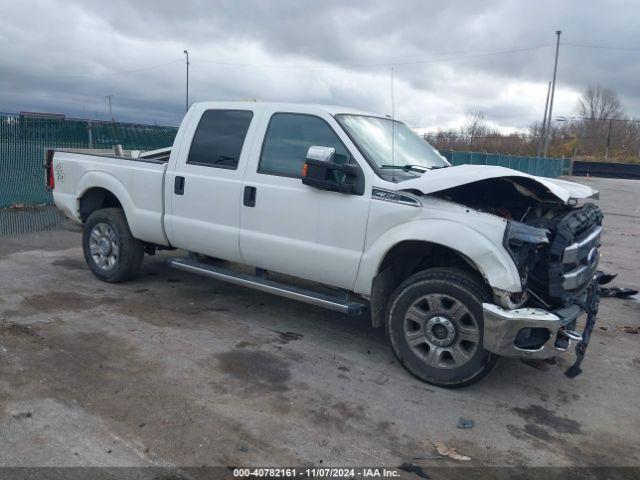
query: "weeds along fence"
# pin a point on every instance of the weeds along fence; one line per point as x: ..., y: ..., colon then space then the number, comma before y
x: 24, y: 138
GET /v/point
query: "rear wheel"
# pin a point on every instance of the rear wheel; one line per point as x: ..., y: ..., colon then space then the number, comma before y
x: 111, y: 252
x: 435, y: 324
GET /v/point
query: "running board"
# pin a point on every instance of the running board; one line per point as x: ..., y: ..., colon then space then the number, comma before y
x: 269, y: 286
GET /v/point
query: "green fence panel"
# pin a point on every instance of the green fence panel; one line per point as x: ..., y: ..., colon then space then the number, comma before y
x: 517, y: 163
x: 493, y: 159
x: 505, y: 161
x: 531, y: 165
x: 30, y: 219
x: 550, y: 167
x: 460, y: 158
x: 535, y: 165
x: 478, y: 158
x: 557, y: 167
x: 23, y: 140
x: 544, y: 167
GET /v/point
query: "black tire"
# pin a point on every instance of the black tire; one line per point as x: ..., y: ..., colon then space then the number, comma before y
x: 448, y: 308
x: 123, y: 253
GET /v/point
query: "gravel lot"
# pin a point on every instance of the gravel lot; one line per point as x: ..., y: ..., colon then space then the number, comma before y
x: 172, y: 369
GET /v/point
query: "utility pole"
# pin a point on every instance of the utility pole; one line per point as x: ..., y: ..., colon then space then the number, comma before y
x: 553, y: 91
x: 109, y: 97
x: 544, y: 122
x: 186, y: 105
x: 90, y: 133
x: 606, y: 151
x: 113, y: 121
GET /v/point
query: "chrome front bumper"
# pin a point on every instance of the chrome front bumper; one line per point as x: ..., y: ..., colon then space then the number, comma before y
x: 501, y: 327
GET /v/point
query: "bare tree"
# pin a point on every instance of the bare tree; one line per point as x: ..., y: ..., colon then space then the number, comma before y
x: 475, y: 127
x: 598, y: 107
x: 475, y: 124
x: 598, y: 103
x: 600, y: 130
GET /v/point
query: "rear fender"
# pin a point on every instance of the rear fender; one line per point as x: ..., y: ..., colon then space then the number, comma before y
x: 96, y: 179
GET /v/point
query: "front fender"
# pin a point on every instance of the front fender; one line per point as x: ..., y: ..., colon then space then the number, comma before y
x: 483, y: 250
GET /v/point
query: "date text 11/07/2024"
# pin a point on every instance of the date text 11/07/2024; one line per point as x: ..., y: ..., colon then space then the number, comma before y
x: 365, y: 472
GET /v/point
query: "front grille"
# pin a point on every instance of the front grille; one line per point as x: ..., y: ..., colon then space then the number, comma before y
x: 572, y: 257
x: 565, y: 268
x: 580, y: 259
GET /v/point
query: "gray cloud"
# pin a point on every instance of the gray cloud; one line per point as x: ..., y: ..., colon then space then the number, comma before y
x: 61, y: 56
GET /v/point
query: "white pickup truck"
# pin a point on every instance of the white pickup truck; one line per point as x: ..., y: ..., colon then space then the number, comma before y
x: 460, y: 265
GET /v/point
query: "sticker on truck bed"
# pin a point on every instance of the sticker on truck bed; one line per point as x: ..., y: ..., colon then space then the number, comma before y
x: 59, y: 172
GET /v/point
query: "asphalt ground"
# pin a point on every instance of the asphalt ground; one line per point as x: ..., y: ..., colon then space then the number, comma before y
x: 174, y: 370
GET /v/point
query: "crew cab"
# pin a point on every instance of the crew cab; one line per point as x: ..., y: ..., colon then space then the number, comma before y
x: 461, y: 265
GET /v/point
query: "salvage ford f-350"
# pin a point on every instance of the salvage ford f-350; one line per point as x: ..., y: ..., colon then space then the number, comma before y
x: 460, y: 265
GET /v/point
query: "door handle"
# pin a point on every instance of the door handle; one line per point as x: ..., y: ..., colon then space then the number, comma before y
x: 249, y: 196
x: 178, y: 186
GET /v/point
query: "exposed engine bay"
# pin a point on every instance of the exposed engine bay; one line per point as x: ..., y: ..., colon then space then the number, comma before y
x: 554, y: 245
x: 552, y: 234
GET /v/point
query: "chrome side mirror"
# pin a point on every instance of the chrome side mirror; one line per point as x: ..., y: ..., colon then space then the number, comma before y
x: 322, y: 154
x: 321, y: 172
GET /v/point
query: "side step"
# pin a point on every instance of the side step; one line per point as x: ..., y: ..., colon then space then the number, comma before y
x: 269, y: 286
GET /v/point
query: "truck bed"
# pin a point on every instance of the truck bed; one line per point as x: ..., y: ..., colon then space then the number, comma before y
x: 135, y: 178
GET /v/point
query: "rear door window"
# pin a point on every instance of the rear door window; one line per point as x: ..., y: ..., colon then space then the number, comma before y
x: 219, y: 138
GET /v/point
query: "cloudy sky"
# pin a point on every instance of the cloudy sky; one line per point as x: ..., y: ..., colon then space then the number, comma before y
x: 449, y: 58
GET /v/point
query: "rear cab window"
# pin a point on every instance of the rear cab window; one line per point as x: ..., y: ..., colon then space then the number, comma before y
x: 219, y: 138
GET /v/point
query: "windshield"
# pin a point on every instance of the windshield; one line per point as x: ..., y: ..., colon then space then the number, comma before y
x: 410, y: 153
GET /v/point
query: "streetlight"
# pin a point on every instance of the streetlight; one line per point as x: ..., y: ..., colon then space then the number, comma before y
x: 109, y: 97
x: 186, y: 106
x: 553, y: 91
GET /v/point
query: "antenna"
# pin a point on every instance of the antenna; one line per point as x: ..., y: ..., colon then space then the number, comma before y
x: 393, y: 132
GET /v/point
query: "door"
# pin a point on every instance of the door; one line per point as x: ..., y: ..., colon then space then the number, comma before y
x: 205, y: 187
x: 292, y: 228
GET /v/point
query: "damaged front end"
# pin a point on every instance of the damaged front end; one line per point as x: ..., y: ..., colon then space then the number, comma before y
x: 554, y: 244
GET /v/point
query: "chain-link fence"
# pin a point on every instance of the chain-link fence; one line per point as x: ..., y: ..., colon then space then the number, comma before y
x: 24, y: 138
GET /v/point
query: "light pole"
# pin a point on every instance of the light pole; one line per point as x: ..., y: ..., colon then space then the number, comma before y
x: 186, y: 106
x: 606, y: 152
x: 113, y: 121
x: 544, y: 122
x: 109, y: 97
x: 553, y: 91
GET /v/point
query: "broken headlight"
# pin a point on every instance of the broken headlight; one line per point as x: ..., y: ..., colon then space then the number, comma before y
x: 518, y: 234
x: 523, y: 241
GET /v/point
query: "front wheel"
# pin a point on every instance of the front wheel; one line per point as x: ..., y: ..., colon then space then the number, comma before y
x: 435, y: 324
x: 111, y: 252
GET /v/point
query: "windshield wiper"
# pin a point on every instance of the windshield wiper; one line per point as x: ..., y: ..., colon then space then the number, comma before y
x: 405, y: 168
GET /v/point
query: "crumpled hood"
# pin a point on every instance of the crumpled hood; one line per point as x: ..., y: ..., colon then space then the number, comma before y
x: 444, y: 178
